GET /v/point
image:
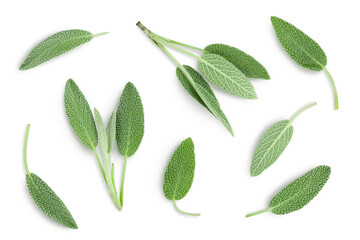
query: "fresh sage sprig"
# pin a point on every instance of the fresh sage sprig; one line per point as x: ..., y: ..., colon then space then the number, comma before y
x: 303, y: 50
x: 126, y: 125
x: 179, y: 174
x: 298, y: 193
x: 273, y: 143
x: 56, y: 45
x: 223, y: 65
x: 44, y: 197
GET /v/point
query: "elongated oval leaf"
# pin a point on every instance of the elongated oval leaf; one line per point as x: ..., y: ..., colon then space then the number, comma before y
x: 80, y: 116
x: 244, y: 62
x: 56, y: 45
x: 102, y: 132
x: 301, y: 191
x: 111, y: 131
x: 47, y: 200
x: 225, y: 75
x: 298, y: 193
x: 197, y: 78
x: 129, y: 121
x: 271, y: 146
x: 301, y: 48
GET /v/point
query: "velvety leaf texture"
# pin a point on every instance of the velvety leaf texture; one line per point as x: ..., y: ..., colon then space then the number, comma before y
x: 197, y: 79
x: 54, y: 46
x: 179, y: 174
x: 225, y: 75
x: 244, y: 62
x: 47, y: 200
x: 301, y: 48
x: 271, y: 146
x: 111, y: 131
x: 101, y: 131
x: 129, y: 121
x: 301, y: 191
x: 80, y: 116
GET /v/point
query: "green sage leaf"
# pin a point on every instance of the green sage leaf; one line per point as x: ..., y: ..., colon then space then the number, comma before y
x: 272, y: 144
x: 103, y: 138
x: 299, y: 193
x: 129, y: 121
x: 111, y: 131
x: 179, y: 174
x: 302, y: 49
x: 80, y: 116
x: 244, y: 62
x: 56, y: 45
x: 225, y: 75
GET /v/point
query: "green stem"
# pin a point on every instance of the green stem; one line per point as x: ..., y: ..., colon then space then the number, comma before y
x: 99, y: 34
x: 100, y: 165
x: 301, y: 111
x: 179, y: 43
x: 25, y: 148
x: 259, y: 212
x: 113, y: 178
x: 182, y: 212
x: 122, y: 182
x: 336, y: 100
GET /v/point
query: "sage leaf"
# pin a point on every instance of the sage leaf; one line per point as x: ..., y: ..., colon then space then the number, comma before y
x: 80, y: 116
x: 44, y: 197
x: 199, y: 89
x: 56, y: 45
x: 244, y: 62
x: 272, y: 144
x: 302, y: 49
x: 111, y: 131
x: 102, y: 132
x: 225, y: 75
x: 179, y: 174
x: 129, y: 121
x: 298, y: 193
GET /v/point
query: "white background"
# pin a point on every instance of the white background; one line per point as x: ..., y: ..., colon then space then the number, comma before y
x: 223, y: 191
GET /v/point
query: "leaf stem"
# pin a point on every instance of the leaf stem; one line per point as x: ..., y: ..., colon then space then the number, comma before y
x: 182, y: 212
x: 258, y: 212
x: 301, y: 111
x: 336, y: 100
x: 122, y: 182
x: 100, y: 165
x: 99, y: 34
x: 25, y: 148
x: 179, y: 43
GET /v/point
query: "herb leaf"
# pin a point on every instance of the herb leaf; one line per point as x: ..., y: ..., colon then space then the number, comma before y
x: 179, y: 174
x: 225, y: 75
x: 272, y: 144
x: 129, y: 121
x: 80, y: 116
x: 302, y: 49
x: 244, y: 62
x: 298, y: 193
x: 102, y: 132
x: 44, y: 197
x: 111, y: 131
x: 56, y: 45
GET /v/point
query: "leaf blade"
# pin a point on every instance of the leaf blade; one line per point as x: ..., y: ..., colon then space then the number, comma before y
x: 244, y: 62
x: 54, y: 46
x: 102, y: 132
x: 111, y: 131
x: 225, y: 75
x: 47, y: 200
x: 129, y: 121
x: 79, y: 115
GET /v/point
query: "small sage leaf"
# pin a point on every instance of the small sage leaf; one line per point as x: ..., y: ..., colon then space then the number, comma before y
x: 244, y: 62
x: 179, y: 174
x: 225, y: 75
x: 56, y: 45
x: 302, y: 49
x: 44, y: 197
x: 129, y: 121
x: 102, y: 132
x: 80, y: 116
x: 272, y: 144
x: 298, y: 193
x: 111, y: 131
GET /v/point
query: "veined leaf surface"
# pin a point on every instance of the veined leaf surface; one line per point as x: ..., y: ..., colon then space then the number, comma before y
x: 225, y: 75
x: 179, y: 174
x: 80, y: 116
x: 111, y: 131
x: 299, y: 193
x: 56, y: 45
x: 47, y: 200
x: 129, y: 121
x: 273, y: 143
x: 244, y: 62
